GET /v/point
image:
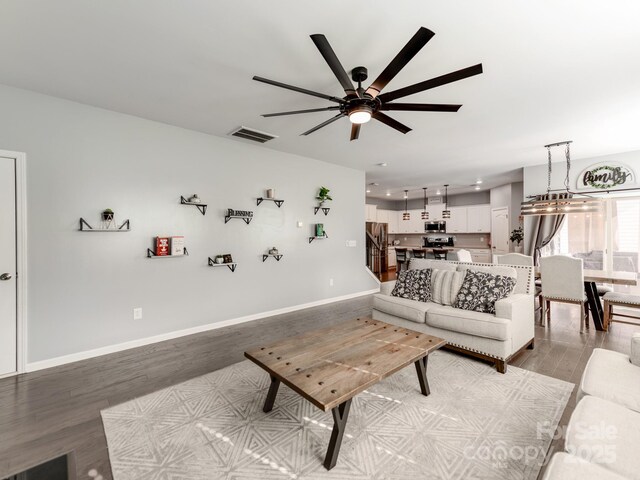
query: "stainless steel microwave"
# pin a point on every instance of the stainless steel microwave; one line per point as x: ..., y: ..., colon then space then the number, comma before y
x: 435, y: 227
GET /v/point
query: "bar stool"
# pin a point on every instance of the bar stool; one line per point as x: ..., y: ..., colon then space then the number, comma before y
x: 418, y: 253
x: 440, y: 253
x: 401, y: 258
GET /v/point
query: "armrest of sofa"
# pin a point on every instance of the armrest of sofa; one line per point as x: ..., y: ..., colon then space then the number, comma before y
x: 634, y: 357
x: 519, y: 308
x: 387, y: 287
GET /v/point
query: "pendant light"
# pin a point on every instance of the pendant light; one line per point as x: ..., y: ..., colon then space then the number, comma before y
x: 559, y: 203
x: 446, y: 213
x: 406, y: 215
x: 425, y: 214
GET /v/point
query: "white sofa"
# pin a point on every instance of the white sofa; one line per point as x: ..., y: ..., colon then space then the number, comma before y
x: 496, y: 338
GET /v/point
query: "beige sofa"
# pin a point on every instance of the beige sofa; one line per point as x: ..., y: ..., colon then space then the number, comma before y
x: 496, y: 338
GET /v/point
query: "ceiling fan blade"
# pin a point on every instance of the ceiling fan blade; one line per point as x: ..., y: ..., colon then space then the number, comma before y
x: 381, y: 117
x: 331, y: 58
x: 421, y: 107
x: 355, y: 131
x: 297, y: 89
x: 301, y: 111
x: 419, y: 40
x: 324, y: 124
x: 432, y: 83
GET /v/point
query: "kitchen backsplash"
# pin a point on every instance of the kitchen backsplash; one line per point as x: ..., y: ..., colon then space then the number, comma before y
x: 468, y: 240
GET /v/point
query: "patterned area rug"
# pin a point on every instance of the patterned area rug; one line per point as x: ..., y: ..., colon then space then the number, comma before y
x: 476, y: 424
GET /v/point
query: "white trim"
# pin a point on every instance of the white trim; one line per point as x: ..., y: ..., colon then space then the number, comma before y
x: 21, y: 256
x: 74, y: 357
x: 373, y: 276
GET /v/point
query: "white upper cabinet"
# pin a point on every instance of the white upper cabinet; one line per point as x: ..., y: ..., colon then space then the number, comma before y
x: 382, y: 216
x: 393, y: 221
x: 479, y: 219
x: 458, y: 221
x: 371, y: 213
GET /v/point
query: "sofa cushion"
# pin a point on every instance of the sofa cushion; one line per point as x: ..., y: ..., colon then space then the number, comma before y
x: 445, y: 285
x: 413, y: 285
x: 480, y: 291
x: 568, y: 467
x: 419, y: 263
x: 401, y: 307
x: 609, y: 375
x: 503, y: 270
x: 606, y: 434
x: 469, y: 322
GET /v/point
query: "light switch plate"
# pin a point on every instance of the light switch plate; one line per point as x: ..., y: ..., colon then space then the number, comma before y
x: 351, y: 243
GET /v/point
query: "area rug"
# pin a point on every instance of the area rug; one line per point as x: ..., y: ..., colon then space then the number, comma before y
x: 476, y: 424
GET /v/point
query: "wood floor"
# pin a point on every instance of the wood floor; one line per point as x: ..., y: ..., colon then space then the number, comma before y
x: 45, y: 414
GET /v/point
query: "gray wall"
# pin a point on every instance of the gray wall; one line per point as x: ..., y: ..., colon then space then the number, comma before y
x: 82, y: 287
x: 460, y: 200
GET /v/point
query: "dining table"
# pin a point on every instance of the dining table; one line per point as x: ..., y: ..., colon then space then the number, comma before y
x: 591, y: 278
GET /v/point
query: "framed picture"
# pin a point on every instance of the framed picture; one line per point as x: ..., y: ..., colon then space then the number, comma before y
x: 227, y: 258
x: 319, y: 230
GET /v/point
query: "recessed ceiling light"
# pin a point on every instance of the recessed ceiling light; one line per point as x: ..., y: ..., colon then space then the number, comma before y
x: 477, y: 187
x: 388, y: 194
x: 438, y: 192
x: 478, y: 182
x: 368, y: 191
x: 383, y: 164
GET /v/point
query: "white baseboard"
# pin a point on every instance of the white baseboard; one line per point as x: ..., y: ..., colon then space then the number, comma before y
x: 74, y: 357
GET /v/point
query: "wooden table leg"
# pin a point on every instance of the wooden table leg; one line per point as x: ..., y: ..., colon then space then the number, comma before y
x: 271, y: 396
x: 594, y: 304
x: 340, y: 415
x: 421, y: 369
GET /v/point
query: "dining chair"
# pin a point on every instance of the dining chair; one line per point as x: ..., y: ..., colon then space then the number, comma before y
x: 526, y: 260
x: 401, y: 258
x: 625, y: 300
x: 563, y: 281
x: 464, y: 256
x: 418, y: 253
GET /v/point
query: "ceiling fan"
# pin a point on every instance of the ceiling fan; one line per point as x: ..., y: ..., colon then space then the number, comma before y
x: 361, y: 105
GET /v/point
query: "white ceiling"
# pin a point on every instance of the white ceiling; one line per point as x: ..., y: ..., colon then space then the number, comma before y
x: 553, y: 70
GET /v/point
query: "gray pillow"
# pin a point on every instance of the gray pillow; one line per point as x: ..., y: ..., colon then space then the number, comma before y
x: 481, y: 290
x: 413, y: 285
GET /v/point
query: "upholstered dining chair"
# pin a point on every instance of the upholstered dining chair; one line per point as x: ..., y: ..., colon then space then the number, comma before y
x: 563, y: 281
x: 520, y: 259
x: 463, y: 255
x: 401, y: 258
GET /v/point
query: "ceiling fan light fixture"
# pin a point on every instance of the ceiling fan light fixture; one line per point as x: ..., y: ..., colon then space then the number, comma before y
x: 361, y: 114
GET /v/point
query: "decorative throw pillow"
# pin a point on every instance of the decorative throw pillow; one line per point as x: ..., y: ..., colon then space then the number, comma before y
x: 481, y: 290
x: 445, y: 285
x: 414, y: 285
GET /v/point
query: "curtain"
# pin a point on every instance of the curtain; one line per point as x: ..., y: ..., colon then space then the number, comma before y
x: 543, y: 229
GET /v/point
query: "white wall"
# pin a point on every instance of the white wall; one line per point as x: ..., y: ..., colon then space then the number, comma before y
x: 82, y: 287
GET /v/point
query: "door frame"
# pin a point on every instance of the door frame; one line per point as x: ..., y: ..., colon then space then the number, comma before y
x: 496, y: 209
x: 21, y: 257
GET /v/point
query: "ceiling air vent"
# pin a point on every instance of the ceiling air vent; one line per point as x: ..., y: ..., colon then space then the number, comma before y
x: 253, y: 135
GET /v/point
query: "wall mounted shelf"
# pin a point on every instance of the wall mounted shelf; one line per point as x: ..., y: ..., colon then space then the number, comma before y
x: 318, y: 237
x: 277, y: 202
x: 152, y: 254
x: 325, y: 210
x: 244, y: 215
x: 232, y: 266
x: 277, y: 257
x: 85, y: 227
x: 200, y: 206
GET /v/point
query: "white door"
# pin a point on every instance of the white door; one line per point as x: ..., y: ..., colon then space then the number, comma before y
x: 500, y: 231
x: 8, y: 291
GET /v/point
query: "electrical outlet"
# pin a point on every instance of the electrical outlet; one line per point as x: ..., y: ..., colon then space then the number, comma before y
x: 331, y: 282
x: 137, y: 313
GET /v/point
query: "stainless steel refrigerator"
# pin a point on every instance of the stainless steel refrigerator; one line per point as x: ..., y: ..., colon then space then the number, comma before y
x: 378, y: 232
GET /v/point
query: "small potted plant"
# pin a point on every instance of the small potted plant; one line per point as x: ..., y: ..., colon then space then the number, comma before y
x: 219, y: 259
x: 107, y: 215
x: 323, y: 195
x: 517, y: 235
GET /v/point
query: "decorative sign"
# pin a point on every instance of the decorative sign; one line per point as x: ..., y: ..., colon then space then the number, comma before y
x: 239, y: 213
x: 606, y: 176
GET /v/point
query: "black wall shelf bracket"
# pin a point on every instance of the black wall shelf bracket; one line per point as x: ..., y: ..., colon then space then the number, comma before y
x: 152, y: 254
x: 277, y: 257
x: 319, y: 237
x: 247, y: 220
x: 325, y: 210
x: 200, y: 206
x: 232, y: 266
x: 277, y: 202
x: 85, y: 227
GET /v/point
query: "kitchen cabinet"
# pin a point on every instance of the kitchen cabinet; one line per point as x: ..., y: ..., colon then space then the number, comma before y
x: 479, y: 219
x: 393, y: 221
x: 435, y: 211
x: 458, y: 221
x: 391, y: 257
x: 415, y: 224
x: 382, y: 216
x: 371, y: 213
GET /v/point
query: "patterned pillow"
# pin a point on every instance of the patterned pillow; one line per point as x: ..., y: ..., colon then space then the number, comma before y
x: 414, y: 285
x: 445, y: 285
x: 481, y: 290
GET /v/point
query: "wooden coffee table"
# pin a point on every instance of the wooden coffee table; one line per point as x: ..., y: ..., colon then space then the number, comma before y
x: 332, y: 365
